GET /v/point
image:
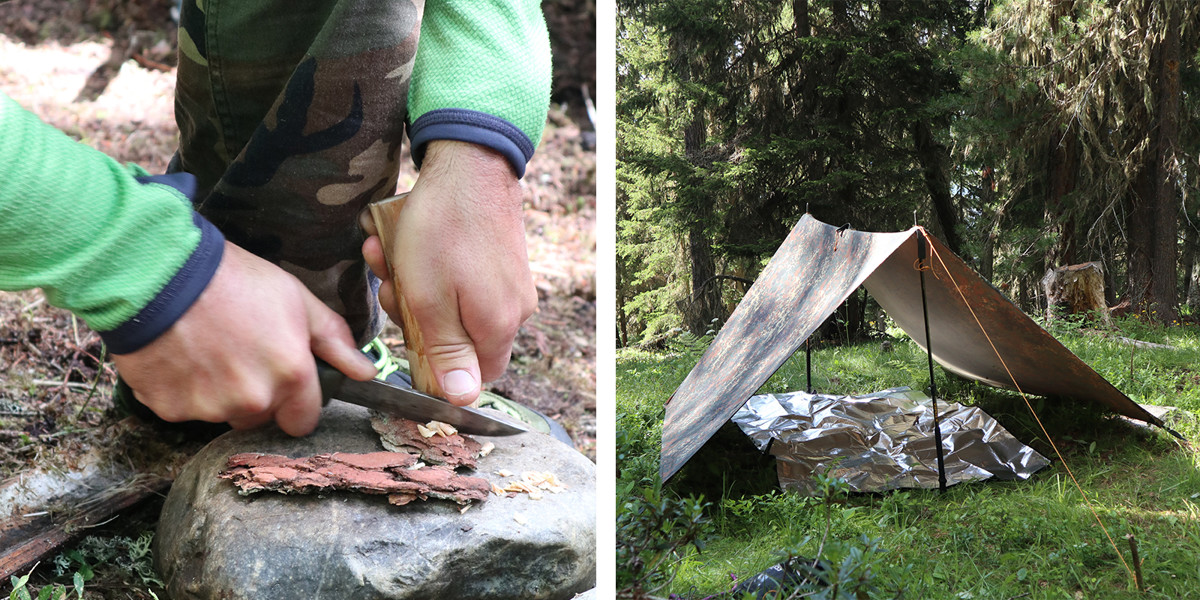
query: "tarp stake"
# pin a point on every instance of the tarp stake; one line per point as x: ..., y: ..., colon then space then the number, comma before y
x: 937, y: 421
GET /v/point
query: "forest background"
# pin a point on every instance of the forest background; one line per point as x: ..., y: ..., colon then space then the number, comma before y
x: 1027, y: 135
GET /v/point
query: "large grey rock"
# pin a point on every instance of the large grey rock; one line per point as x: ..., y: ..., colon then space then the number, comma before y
x: 214, y: 543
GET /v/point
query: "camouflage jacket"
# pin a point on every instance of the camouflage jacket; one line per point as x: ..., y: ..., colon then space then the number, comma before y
x: 291, y: 119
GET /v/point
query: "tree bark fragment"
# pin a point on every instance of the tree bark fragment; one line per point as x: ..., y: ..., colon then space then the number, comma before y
x: 402, y: 435
x: 393, y: 474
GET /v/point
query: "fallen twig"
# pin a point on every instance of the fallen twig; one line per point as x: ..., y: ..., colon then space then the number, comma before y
x: 26, y: 542
x: 75, y: 385
x: 34, y: 304
x: 150, y: 64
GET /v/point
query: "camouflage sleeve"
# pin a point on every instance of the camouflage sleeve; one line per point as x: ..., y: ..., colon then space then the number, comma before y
x: 125, y: 253
x: 482, y: 75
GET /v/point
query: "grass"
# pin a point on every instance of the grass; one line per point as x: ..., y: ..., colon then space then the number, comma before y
x: 1032, y: 539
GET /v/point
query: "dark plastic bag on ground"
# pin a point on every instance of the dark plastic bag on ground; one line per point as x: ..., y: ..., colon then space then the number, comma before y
x: 778, y: 580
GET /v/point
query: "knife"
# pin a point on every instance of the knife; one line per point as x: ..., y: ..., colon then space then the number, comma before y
x: 409, y: 404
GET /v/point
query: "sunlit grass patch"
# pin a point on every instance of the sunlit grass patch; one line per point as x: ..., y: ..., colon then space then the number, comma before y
x: 1036, y: 539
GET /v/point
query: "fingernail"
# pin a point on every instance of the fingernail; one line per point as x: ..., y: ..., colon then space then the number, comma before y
x: 459, y: 383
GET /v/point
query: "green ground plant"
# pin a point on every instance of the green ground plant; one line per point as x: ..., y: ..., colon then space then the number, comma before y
x: 103, y: 565
x: 1035, y: 539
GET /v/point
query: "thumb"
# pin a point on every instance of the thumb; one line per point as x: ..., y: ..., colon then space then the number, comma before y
x: 448, y: 350
x: 330, y: 339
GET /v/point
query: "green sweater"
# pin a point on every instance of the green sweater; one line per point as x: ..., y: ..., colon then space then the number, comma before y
x: 128, y: 255
x: 482, y: 75
x: 79, y: 225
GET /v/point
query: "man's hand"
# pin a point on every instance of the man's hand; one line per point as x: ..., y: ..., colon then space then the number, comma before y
x: 463, y: 266
x: 243, y: 352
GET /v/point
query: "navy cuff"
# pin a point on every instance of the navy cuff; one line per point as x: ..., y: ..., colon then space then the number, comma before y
x: 180, y: 292
x: 464, y: 125
x: 184, y: 183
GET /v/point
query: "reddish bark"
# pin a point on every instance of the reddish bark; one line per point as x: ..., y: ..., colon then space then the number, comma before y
x: 385, y: 473
x: 401, y: 435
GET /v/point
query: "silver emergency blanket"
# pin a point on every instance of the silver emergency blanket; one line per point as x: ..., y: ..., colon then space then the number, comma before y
x: 881, y: 441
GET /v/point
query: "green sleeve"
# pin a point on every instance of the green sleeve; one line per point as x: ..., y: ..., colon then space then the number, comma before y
x: 77, y: 224
x: 482, y: 74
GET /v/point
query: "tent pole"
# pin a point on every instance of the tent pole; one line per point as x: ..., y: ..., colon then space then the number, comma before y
x: 808, y: 363
x: 937, y: 422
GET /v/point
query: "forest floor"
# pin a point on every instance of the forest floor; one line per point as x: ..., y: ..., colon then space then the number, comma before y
x: 102, y: 72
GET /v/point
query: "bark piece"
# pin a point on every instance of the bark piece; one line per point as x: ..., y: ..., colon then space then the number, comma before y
x: 394, y: 474
x: 403, y: 435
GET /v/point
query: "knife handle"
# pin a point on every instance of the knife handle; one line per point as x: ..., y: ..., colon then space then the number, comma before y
x: 331, y: 380
x: 385, y: 213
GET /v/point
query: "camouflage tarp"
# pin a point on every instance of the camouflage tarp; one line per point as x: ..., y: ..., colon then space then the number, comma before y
x: 815, y: 269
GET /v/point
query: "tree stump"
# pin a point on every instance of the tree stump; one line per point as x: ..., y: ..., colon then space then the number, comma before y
x: 1076, y: 290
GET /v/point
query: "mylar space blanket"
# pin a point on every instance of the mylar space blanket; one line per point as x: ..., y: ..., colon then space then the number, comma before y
x: 882, y: 441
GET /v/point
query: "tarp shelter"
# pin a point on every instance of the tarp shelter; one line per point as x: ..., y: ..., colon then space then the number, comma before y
x: 814, y: 271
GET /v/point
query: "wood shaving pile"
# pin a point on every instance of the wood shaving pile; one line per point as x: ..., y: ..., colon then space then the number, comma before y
x: 533, y: 483
x: 433, y: 428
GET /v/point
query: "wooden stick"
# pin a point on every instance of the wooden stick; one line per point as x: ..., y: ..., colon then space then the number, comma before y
x: 1137, y: 562
x: 29, y: 538
x: 385, y: 214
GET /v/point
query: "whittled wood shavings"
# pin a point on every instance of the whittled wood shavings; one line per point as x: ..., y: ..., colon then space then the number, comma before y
x: 521, y: 519
x: 543, y: 480
x: 533, y: 483
x: 486, y: 449
x: 504, y: 473
x: 433, y: 428
x: 517, y: 487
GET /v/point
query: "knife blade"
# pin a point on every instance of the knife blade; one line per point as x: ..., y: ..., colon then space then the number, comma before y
x: 409, y: 404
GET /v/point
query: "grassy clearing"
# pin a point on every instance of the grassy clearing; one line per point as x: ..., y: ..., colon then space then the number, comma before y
x: 1033, y: 539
